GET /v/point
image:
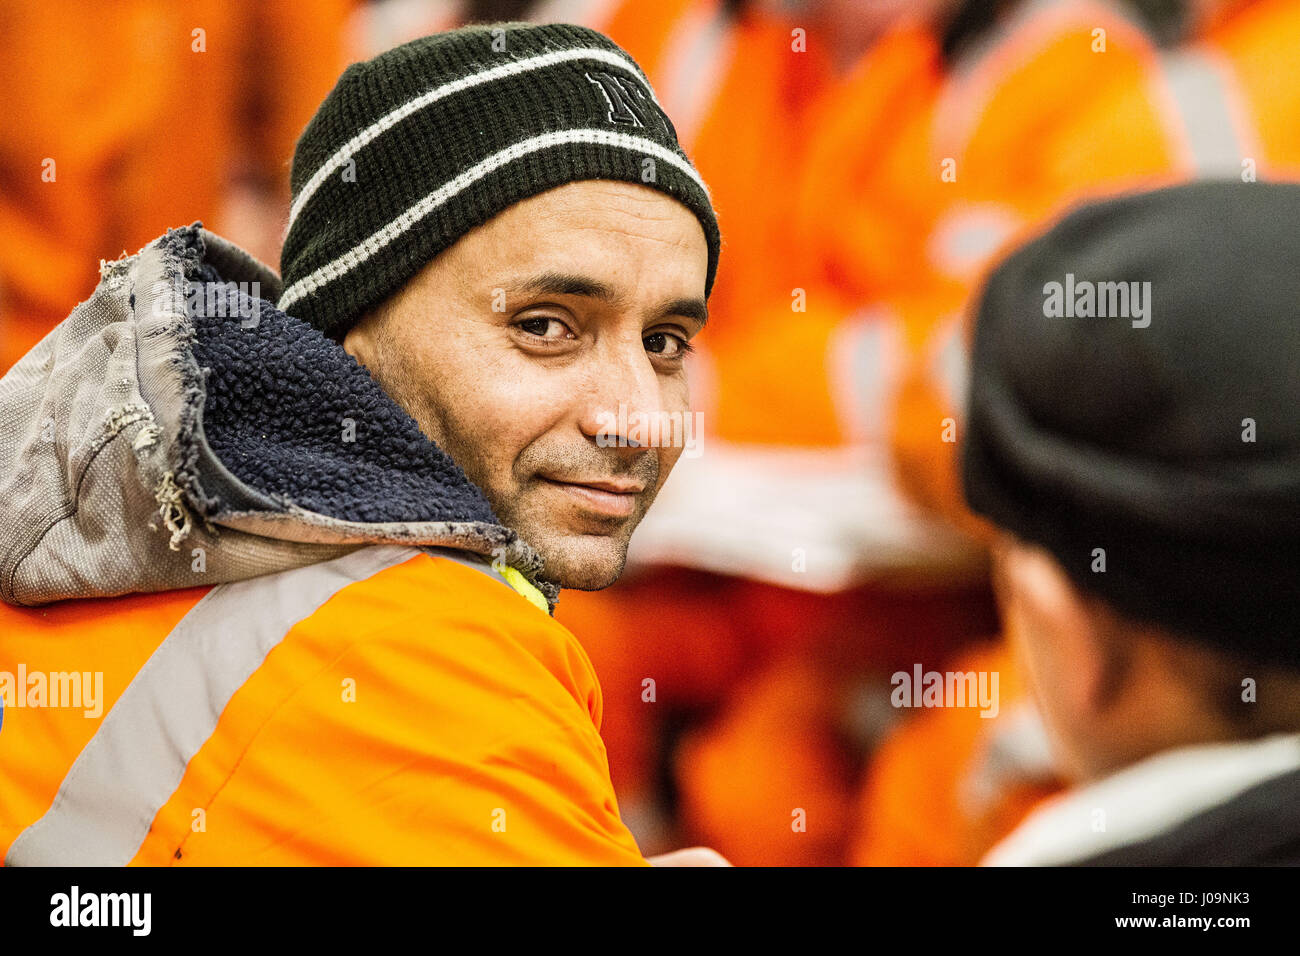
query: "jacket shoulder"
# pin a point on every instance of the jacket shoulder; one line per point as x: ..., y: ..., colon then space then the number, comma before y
x: 425, y: 714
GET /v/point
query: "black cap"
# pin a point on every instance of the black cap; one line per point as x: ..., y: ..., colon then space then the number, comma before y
x: 1157, y: 416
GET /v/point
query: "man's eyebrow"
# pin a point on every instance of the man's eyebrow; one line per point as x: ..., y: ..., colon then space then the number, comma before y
x: 567, y: 283
x: 688, y: 309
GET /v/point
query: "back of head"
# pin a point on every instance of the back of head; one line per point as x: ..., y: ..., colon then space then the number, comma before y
x: 1135, y: 410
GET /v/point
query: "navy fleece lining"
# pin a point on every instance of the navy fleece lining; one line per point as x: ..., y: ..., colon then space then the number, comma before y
x: 277, y: 397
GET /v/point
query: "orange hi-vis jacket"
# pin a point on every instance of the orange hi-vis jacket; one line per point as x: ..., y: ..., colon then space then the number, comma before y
x: 231, y: 638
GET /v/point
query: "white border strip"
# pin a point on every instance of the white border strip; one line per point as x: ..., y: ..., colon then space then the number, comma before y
x: 389, y: 120
x: 375, y: 243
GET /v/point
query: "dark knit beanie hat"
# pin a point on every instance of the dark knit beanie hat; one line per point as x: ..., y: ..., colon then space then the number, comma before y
x: 421, y: 144
x: 1148, y: 435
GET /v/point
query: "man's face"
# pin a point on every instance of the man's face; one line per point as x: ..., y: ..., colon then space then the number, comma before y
x: 515, y: 348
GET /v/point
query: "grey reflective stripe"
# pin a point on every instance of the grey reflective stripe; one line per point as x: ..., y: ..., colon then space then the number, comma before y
x: 588, y: 13
x: 696, y: 58
x: 1200, y: 96
x: 135, y: 761
x: 864, y: 358
x: 470, y: 560
x: 961, y: 105
x: 950, y: 363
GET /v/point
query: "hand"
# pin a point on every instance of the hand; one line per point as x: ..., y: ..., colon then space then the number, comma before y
x: 692, y: 856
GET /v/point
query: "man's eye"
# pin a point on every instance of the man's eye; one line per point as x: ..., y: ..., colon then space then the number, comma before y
x: 667, y: 344
x: 545, y: 327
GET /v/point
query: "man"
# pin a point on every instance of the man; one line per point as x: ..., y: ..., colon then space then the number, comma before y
x: 1139, y: 450
x: 302, y: 613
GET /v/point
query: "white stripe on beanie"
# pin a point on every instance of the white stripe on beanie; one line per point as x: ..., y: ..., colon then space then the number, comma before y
x: 391, y: 119
x: 376, y: 242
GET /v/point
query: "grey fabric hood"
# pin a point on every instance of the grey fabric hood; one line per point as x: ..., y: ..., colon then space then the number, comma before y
x: 178, y: 430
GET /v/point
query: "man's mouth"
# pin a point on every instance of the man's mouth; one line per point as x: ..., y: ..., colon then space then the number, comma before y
x: 611, y: 497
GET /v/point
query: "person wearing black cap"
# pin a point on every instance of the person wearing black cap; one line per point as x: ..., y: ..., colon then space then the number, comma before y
x: 1141, y: 460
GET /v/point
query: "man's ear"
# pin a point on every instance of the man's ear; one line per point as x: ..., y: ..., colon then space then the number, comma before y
x: 359, y: 341
x: 1068, y: 643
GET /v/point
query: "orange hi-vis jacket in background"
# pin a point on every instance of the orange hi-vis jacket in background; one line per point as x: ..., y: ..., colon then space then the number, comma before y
x: 938, y: 163
x: 229, y: 638
x: 1065, y: 101
x: 98, y: 104
x: 791, y: 503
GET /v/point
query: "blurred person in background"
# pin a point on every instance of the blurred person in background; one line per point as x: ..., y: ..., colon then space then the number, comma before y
x: 789, y: 556
x: 1140, y: 460
x: 1043, y: 104
x: 98, y: 103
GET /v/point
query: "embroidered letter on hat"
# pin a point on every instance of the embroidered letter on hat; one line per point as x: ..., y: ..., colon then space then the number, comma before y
x: 628, y: 104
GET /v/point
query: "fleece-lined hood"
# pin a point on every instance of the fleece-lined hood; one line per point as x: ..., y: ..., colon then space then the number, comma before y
x: 178, y: 430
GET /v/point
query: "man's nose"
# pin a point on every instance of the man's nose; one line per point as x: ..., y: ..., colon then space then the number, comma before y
x: 622, y: 401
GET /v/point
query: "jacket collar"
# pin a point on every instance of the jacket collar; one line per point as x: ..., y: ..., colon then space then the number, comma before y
x: 178, y: 429
x: 1141, y: 801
